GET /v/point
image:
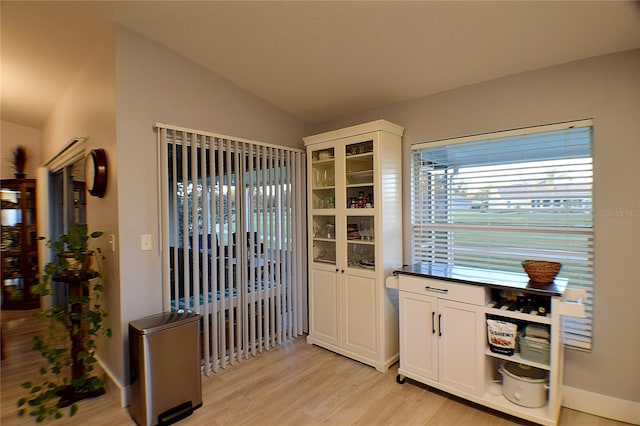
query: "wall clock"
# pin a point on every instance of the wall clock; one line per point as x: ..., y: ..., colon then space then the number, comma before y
x: 96, y: 172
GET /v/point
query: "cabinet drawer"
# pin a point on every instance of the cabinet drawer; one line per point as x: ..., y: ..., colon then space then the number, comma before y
x: 443, y: 289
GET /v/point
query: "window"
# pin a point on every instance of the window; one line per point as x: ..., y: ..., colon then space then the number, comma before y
x: 494, y: 200
x: 64, y: 185
x: 67, y: 197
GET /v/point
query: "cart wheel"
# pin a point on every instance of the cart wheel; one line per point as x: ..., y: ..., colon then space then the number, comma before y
x: 400, y: 379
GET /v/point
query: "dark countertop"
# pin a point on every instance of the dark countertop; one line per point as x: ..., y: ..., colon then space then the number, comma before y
x: 484, y: 277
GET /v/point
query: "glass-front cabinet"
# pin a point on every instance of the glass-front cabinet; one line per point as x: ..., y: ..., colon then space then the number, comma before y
x: 19, y: 246
x: 323, y: 203
x: 355, y: 229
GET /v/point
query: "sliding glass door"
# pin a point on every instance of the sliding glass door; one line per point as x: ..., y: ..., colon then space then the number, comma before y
x: 233, y: 215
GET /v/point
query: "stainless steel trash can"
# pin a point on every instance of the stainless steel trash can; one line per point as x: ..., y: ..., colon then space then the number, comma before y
x: 164, y: 352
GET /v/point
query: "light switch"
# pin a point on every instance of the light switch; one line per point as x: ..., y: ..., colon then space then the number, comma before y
x: 112, y: 242
x: 145, y: 242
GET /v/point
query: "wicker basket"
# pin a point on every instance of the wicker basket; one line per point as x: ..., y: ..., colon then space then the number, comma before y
x: 540, y: 271
x: 535, y: 351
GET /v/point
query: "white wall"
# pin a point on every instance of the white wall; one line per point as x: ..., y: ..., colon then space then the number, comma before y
x: 157, y: 85
x: 87, y: 109
x: 13, y: 135
x: 607, y: 89
x: 153, y: 84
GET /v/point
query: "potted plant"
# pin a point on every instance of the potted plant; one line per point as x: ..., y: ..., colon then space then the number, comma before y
x: 68, y: 348
x: 19, y: 161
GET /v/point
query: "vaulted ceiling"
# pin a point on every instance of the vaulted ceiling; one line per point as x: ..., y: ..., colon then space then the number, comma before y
x: 316, y: 60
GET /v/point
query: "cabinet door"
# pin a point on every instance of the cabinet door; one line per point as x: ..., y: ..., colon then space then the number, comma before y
x: 322, y: 177
x: 360, y: 315
x: 323, y: 305
x: 323, y: 232
x: 418, y: 334
x: 359, y: 173
x: 461, y: 343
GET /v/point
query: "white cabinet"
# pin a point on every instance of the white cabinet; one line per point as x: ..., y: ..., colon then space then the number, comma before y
x: 443, y: 338
x: 355, y: 240
x: 418, y: 339
x: 458, y: 366
x: 441, y: 333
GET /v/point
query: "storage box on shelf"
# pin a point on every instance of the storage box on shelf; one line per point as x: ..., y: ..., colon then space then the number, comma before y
x: 534, y: 350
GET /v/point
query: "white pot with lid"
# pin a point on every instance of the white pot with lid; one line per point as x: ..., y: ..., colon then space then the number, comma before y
x: 524, y: 385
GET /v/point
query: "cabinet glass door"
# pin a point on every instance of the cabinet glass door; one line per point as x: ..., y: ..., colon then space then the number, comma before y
x: 359, y: 175
x: 30, y: 206
x: 323, y: 197
x: 324, y: 239
x: 361, y: 242
x: 359, y: 172
x: 323, y: 179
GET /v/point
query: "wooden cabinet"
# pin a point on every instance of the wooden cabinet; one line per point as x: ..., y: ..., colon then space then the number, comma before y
x: 355, y: 240
x: 441, y: 338
x: 19, y: 244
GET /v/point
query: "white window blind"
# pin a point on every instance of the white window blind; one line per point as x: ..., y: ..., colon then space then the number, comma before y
x: 234, y: 246
x: 494, y: 200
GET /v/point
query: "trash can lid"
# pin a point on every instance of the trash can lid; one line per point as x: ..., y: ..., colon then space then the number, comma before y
x: 164, y: 320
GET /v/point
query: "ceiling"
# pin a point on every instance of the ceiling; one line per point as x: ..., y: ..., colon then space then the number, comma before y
x: 316, y: 60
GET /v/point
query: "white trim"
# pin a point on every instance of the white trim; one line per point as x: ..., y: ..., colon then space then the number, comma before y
x: 72, y: 152
x: 505, y: 133
x: 359, y: 129
x: 220, y: 136
x: 43, y: 224
x: 601, y: 405
x: 123, y: 392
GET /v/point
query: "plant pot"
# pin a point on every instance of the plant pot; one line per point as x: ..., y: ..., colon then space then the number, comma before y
x: 75, y: 269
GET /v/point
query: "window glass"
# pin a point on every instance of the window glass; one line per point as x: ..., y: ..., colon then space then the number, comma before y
x: 492, y: 201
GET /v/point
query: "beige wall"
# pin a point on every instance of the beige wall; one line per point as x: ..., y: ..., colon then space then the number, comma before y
x: 157, y: 85
x: 87, y: 109
x: 607, y: 89
x: 13, y: 135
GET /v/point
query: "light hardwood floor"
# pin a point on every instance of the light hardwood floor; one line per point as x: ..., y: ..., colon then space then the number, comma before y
x: 296, y: 384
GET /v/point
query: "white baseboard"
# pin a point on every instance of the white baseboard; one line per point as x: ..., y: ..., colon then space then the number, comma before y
x: 601, y: 405
x: 122, y: 392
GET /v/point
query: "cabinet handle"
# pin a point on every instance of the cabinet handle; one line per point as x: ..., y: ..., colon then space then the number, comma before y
x: 433, y: 323
x: 439, y: 324
x: 436, y: 289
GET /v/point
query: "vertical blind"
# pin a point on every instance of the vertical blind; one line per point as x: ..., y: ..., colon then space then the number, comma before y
x: 494, y: 200
x: 234, y: 247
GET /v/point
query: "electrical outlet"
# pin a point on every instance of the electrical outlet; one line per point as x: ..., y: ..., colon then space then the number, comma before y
x: 145, y: 242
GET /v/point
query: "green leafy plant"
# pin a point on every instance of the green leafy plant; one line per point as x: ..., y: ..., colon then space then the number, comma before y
x: 68, y: 348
